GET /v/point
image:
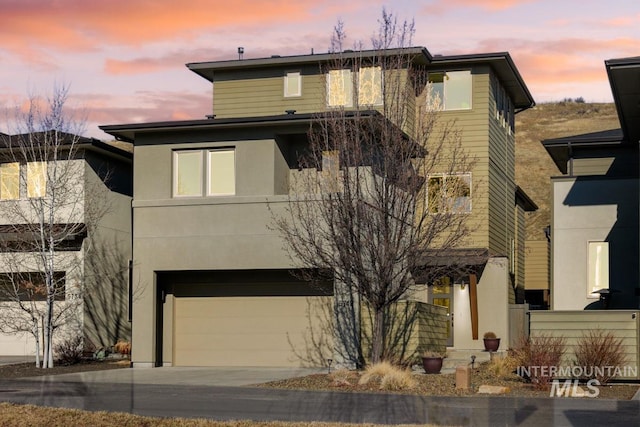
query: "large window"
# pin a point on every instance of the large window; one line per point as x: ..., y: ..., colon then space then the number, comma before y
x: 598, y: 274
x: 450, y: 90
x: 292, y: 84
x: 370, y: 86
x: 9, y: 181
x: 339, y: 88
x: 36, y: 179
x: 449, y: 193
x: 30, y: 286
x: 189, y: 167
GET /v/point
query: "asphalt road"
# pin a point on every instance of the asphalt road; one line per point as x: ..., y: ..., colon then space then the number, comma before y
x: 224, y: 403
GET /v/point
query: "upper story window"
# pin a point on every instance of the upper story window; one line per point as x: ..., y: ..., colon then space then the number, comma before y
x: 36, y: 179
x: 189, y: 167
x: 340, y: 85
x: 339, y: 88
x: 449, y: 193
x: 450, y: 90
x: 504, y: 108
x: 9, y: 181
x: 370, y: 86
x: 292, y: 84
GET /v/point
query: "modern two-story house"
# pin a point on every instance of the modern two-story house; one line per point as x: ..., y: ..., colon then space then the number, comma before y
x: 595, y: 208
x: 90, y: 220
x: 212, y: 282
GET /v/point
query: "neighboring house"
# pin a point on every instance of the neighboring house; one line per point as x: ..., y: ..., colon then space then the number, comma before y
x: 212, y: 281
x: 94, y: 257
x: 595, y: 209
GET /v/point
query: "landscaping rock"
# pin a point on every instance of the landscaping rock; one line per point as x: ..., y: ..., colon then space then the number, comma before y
x: 493, y: 389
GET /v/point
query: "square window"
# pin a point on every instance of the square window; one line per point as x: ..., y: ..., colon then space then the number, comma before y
x: 36, y: 179
x: 292, y: 84
x: 9, y: 181
x: 222, y: 172
x: 451, y: 90
x: 339, y: 88
x: 187, y: 178
x: 449, y: 193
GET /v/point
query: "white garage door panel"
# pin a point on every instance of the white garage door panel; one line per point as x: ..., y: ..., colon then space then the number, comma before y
x: 246, y: 331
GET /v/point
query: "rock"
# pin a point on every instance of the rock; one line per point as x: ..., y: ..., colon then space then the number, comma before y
x: 493, y: 389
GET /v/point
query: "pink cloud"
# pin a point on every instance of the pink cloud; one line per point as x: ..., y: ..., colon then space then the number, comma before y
x: 442, y: 6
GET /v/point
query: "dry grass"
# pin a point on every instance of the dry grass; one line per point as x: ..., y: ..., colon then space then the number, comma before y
x: 388, y: 377
x: 27, y: 415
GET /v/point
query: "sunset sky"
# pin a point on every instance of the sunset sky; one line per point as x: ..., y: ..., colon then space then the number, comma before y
x: 124, y: 59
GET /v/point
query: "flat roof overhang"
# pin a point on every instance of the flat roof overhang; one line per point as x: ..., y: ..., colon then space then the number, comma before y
x: 624, y: 77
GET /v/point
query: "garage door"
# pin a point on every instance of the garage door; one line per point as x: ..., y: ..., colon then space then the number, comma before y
x: 252, y: 325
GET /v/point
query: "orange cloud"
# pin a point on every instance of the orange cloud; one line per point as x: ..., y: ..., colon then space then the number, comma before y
x: 81, y: 24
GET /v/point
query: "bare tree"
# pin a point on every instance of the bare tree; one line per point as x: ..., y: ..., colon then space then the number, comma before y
x: 47, y: 210
x: 369, y: 204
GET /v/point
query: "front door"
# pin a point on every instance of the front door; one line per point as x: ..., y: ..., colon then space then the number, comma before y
x: 442, y: 295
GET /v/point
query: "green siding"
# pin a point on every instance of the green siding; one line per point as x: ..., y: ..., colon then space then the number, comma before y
x: 261, y: 93
x: 537, y: 266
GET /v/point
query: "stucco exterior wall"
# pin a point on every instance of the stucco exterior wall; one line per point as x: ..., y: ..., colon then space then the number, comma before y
x: 594, y: 209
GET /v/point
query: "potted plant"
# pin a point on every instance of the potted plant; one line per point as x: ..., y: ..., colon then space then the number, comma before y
x: 491, y: 341
x: 432, y: 362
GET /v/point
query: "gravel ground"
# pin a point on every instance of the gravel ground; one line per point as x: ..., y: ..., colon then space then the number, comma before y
x: 442, y: 385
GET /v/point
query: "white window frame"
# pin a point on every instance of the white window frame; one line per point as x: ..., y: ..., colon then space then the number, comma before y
x: 287, y: 77
x: 597, y: 267
x: 210, y: 191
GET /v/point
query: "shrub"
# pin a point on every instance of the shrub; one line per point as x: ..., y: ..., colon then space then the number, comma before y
x: 540, y: 355
x: 388, y: 377
x: 489, y: 335
x: 122, y: 347
x: 504, y: 366
x: 598, y: 353
x: 70, y: 350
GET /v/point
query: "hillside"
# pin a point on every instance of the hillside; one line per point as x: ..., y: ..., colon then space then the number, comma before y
x: 534, y: 167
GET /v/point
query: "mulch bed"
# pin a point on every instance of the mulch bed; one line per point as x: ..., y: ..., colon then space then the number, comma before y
x: 25, y: 370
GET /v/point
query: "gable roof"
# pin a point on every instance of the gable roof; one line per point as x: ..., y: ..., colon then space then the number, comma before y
x: 500, y: 62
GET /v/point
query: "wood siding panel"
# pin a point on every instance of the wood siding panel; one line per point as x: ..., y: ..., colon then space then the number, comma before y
x: 262, y: 94
x: 537, y: 264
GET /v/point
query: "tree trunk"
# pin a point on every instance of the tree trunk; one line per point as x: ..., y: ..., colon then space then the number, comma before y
x: 377, y: 337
